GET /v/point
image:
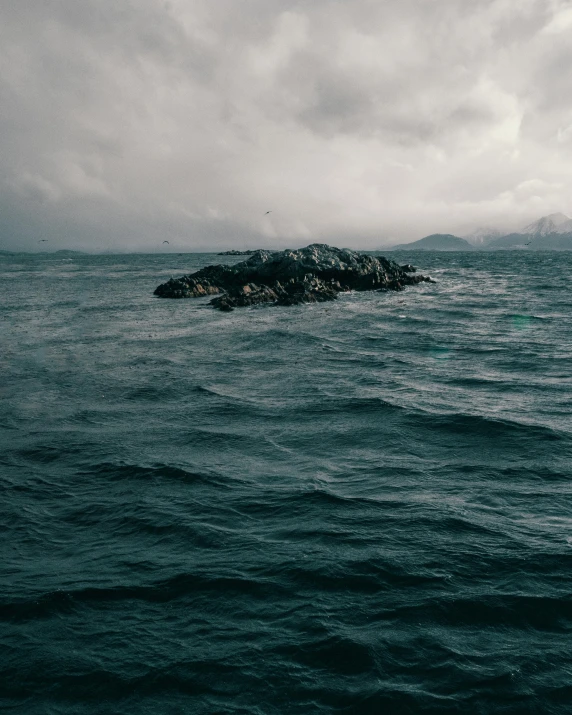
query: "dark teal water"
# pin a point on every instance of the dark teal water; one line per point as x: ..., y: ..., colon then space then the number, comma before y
x: 355, y: 507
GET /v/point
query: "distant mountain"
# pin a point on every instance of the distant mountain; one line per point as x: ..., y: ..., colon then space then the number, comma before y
x: 549, y: 233
x: 543, y: 242
x: 553, y: 242
x: 482, y: 236
x: 435, y: 242
x: 553, y: 223
x: 512, y: 240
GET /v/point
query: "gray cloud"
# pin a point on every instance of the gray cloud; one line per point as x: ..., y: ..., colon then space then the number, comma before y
x: 359, y: 121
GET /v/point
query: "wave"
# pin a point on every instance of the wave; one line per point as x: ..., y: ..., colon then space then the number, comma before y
x: 518, y: 611
x: 110, y: 471
x: 180, y: 586
x: 480, y: 425
x: 510, y: 610
x: 191, y: 677
x: 454, y: 423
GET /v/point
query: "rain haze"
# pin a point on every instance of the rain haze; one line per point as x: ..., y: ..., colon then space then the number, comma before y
x: 357, y: 123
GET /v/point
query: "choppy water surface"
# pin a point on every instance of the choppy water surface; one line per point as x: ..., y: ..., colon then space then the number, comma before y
x: 355, y: 507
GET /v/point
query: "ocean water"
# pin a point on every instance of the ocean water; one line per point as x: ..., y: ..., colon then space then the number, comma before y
x: 356, y: 507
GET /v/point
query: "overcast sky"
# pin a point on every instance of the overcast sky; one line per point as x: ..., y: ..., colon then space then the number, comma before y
x: 356, y: 122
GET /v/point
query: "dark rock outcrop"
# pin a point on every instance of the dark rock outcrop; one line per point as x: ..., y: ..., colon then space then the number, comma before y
x: 308, y: 275
x: 233, y: 252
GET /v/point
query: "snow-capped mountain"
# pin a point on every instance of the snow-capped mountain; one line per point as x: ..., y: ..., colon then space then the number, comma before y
x: 483, y: 235
x: 549, y: 233
x: 553, y: 223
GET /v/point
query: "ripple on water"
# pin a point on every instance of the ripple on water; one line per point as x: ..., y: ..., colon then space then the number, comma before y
x: 355, y: 507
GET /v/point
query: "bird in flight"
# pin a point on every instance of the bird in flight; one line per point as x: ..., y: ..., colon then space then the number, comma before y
x: 268, y: 212
x: 166, y: 242
x: 42, y: 240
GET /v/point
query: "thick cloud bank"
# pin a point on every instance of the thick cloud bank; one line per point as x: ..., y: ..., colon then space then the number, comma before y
x: 125, y: 124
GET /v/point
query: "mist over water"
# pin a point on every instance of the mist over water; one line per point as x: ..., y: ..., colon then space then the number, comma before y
x: 356, y: 507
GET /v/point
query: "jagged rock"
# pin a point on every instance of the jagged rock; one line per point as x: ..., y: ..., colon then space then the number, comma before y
x: 238, y: 253
x: 207, y: 281
x: 308, y: 275
x: 309, y: 290
x: 250, y: 294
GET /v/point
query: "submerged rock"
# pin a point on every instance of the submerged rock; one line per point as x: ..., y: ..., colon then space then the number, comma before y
x: 308, y: 275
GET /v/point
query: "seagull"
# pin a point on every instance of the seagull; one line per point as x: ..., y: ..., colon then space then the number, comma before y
x: 42, y: 240
x: 268, y: 212
x: 528, y: 244
x: 165, y: 241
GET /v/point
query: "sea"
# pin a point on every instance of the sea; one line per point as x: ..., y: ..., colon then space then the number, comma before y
x: 362, y: 506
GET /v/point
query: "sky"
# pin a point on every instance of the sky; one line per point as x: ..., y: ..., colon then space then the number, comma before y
x: 355, y: 122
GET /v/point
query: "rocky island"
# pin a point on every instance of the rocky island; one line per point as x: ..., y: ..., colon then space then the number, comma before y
x: 234, y: 252
x: 313, y: 274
